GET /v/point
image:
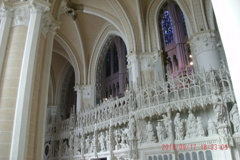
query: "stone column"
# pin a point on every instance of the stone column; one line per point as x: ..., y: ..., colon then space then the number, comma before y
x: 9, y: 86
x: 204, y: 46
x: 78, y: 89
x: 45, y: 85
x: 88, y: 96
x: 134, y: 71
x: 19, y: 145
x: 6, y: 21
x: 229, y: 24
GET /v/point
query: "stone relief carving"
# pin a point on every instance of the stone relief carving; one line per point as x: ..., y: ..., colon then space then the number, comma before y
x: 200, y: 130
x: 117, y: 138
x: 65, y: 150
x: 101, y: 141
x: 161, y: 132
x: 191, y: 126
x: 21, y: 16
x: 107, y: 139
x: 204, y: 42
x: 168, y: 124
x: 150, y: 132
x: 234, y: 118
x: 218, y: 107
x: 124, y: 138
x: 6, y: 11
x: 211, y: 127
x: 132, y: 127
x: 121, y: 138
x: 71, y: 141
x: 92, y: 145
x: 87, y: 144
x: 179, y: 127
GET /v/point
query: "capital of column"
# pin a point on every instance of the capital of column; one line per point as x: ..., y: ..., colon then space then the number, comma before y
x: 146, y: 59
x: 132, y: 58
x: 49, y: 24
x: 21, y: 11
x: 204, y: 41
x: 77, y: 88
x: 205, y: 47
x: 53, y: 27
x: 6, y: 10
x: 39, y: 6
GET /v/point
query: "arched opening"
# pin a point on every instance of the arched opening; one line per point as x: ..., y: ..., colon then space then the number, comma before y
x: 69, y: 95
x: 114, y: 77
x: 174, y: 38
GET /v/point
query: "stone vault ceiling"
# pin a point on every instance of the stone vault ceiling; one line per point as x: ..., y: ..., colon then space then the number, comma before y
x: 86, y: 24
x: 94, y: 20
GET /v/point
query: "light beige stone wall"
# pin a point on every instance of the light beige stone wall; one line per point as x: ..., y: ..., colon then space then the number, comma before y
x: 9, y: 87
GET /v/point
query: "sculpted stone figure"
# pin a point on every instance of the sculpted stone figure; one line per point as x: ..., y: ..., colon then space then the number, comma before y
x: 87, y: 144
x: 117, y: 137
x: 71, y: 141
x: 234, y: 118
x: 167, y: 123
x: 179, y: 127
x: 211, y: 127
x: 101, y: 141
x: 150, y: 133
x: 218, y: 107
x: 161, y: 132
x: 191, y: 129
x: 65, y: 148
x: 92, y: 145
x: 124, y: 139
x: 107, y: 139
x: 132, y: 127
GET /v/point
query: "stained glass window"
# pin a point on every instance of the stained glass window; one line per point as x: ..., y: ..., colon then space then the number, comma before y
x: 167, y: 28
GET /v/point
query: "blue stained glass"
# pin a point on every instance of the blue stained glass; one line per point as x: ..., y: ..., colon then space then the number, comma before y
x: 167, y: 28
